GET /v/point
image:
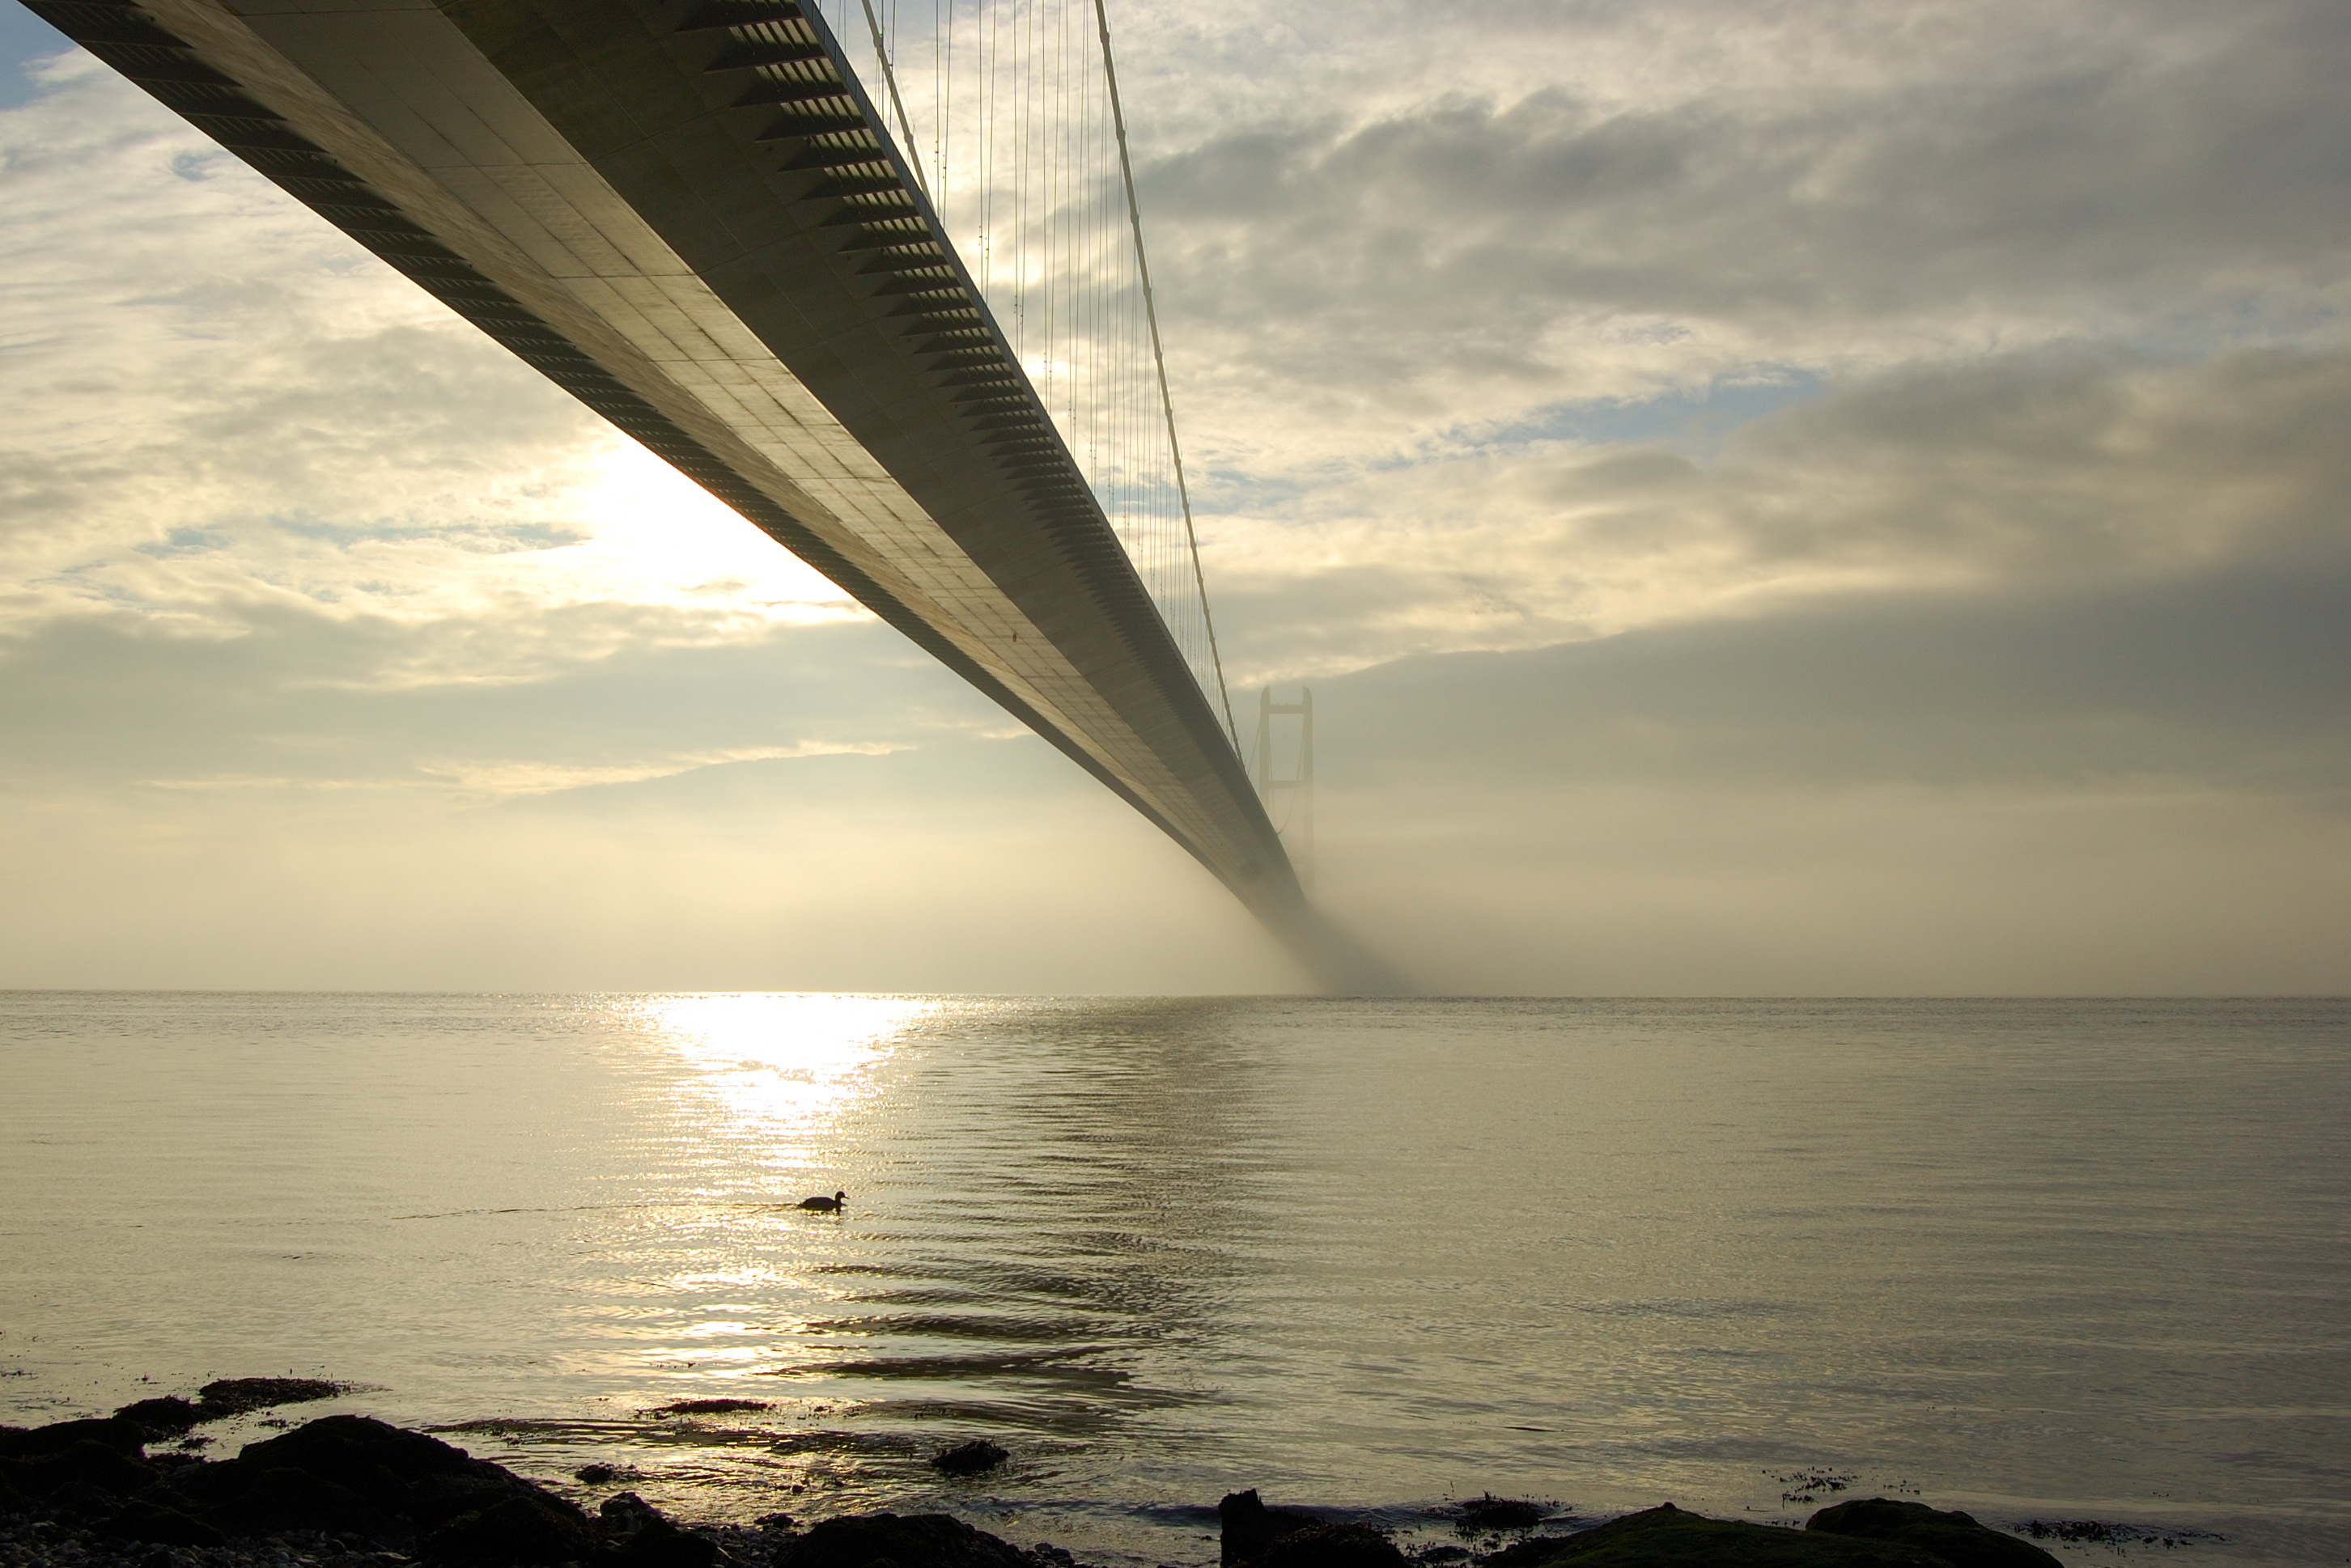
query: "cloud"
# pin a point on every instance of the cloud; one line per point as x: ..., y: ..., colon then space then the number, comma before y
x: 2218, y: 682
x: 219, y: 400
x: 2074, y: 464
x: 25, y: 40
x: 2163, y: 178
x: 300, y: 697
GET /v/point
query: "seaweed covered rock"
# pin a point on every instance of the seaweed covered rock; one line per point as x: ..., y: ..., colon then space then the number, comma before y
x: 169, y: 1416
x: 976, y: 1458
x: 917, y: 1541
x: 1953, y: 1536
x: 1330, y: 1546
x: 1247, y: 1527
x: 229, y: 1397
x: 1667, y: 1537
x: 1490, y: 1515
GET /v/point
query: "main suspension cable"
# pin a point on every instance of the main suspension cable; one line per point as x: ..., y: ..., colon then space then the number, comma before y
x: 1166, y: 404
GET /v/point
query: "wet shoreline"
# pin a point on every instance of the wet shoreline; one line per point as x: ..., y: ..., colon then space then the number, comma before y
x: 126, y: 1491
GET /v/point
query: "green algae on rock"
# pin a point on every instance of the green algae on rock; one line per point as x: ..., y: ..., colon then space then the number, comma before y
x: 1667, y: 1537
x: 1954, y: 1536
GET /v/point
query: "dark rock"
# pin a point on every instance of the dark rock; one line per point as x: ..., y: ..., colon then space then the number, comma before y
x: 168, y: 1416
x: 236, y: 1395
x: 976, y: 1458
x: 33, y: 1442
x: 1666, y: 1537
x: 1247, y: 1527
x: 525, y: 1526
x: 81, y: 1501
x: 596, y: 1475
x: 346, y: 1474
x: 362, y: 1451
x: 660, y: 1544
x: 642, y: 1537
x: 290, y: 1499
x: 1487, y: 1514
x: 141, y: 1521
x: 777, y: 1521
x: 1330, y: 1546
x: 709, y: 1406
x: 84, y: 1464
x: 1954, y: 1536
x: 919, y: 1541
x: 626, y: 1511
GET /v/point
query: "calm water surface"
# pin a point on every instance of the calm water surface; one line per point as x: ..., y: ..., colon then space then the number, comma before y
x: 2052, y: 1260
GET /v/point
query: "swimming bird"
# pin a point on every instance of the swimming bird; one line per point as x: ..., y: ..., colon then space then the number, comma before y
x: 826, y: 1205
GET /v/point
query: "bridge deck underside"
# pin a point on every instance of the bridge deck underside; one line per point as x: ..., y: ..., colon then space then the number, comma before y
x: 685, y: 212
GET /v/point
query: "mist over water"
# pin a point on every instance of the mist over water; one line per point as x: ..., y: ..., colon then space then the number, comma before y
x: 2041, y: 1259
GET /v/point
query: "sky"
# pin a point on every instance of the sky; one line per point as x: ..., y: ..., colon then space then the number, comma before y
x: 1804, y: 499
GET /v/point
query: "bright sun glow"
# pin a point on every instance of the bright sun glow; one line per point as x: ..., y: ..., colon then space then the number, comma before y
x: 660, y: 537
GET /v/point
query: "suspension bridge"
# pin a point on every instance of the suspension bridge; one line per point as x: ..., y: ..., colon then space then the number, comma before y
x: 873, y: 277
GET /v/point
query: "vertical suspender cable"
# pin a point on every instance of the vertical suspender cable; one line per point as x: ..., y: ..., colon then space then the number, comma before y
x: 1166, y: 404
x: 890, y: 79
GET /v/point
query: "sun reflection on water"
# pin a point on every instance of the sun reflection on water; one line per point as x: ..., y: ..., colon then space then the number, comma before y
x: 782, y: 1067
x: 761, y: 1092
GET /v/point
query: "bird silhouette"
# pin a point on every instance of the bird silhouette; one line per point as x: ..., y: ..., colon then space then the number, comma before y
x: 826, y: 1205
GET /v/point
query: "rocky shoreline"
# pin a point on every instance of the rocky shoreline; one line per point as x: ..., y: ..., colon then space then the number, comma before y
x: 357, y: 1493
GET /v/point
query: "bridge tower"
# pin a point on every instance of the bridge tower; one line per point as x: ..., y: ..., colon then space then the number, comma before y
x: 1293, y: 817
